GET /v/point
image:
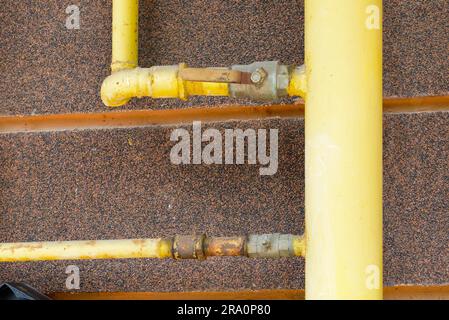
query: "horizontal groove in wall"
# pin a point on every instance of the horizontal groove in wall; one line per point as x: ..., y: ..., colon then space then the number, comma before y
x: 141, y: 118
x: 390, y: 293
x: 416, y: 104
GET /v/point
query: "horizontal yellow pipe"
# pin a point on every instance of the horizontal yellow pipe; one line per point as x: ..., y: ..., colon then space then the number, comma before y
x: 80, y: 250
x: 179, y: 246
x: 299, y: 246
x: 128, y: 81
x: 165, y: 82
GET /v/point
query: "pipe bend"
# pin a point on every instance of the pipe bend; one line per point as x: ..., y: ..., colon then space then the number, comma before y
x: 156, y: 82
x: 118, y: 88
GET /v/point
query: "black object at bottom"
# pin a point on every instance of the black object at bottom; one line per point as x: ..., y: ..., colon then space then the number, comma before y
x: 20, y: 291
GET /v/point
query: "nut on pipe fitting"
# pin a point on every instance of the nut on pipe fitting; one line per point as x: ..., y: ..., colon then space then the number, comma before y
x: 189, y: 247
x: 269, y: 81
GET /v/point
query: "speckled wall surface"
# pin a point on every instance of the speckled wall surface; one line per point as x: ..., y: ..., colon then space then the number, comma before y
x: 40, y: 56
x: 120, y: 184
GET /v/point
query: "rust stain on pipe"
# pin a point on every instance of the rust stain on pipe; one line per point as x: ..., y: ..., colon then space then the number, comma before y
x: 143, y: 118
x: 225, y: 246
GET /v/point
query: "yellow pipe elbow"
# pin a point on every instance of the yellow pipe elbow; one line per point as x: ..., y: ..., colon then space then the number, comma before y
x: 156, y: 82
x: 118, y: 88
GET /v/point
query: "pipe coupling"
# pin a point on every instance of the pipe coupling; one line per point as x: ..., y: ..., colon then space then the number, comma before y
x: 273, y: 245
x: 189, y: 247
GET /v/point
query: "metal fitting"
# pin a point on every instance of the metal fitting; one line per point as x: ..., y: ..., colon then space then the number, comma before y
x: 269, y: 81
x: 258, y: 76
x: 274, y: 245
x: 286, y: 245
x: 189, y: 247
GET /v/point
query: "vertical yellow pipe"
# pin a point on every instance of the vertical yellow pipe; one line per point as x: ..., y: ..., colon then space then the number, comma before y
x: 343, y: 120
x: 125, y: 24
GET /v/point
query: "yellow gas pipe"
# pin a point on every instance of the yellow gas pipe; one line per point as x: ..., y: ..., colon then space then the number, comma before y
x: 343, y: 119
x: 178, y: 247
x: 155, y: 82
x: 125, y: 34
x: 128, y: 81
